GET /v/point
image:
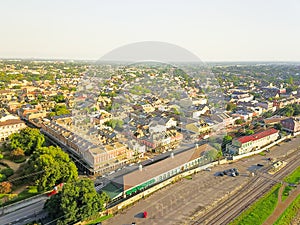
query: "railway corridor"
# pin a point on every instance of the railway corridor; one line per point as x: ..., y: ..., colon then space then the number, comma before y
x: 207, y: 198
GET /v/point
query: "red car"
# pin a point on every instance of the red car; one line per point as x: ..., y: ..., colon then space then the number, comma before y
x: 145, y: 214
x: 53, y: 192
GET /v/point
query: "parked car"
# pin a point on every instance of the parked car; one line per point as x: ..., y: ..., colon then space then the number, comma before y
x: 221, y: 174
x: 258, y: 164
x: 145, y: 214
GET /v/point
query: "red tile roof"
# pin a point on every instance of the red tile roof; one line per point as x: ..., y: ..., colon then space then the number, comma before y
x: 10, y: 122
x: 257, y: 136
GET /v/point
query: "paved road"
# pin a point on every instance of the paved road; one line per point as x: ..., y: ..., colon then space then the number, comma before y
x: 23, y: 215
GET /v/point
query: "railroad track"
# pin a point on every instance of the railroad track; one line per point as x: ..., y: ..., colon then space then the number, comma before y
x: 227, y: 210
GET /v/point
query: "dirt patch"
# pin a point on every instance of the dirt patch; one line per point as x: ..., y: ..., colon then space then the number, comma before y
x: 12, y: 165
x: 282, y: 206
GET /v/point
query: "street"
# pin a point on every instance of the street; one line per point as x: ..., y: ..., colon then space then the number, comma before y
x: 24, y: 215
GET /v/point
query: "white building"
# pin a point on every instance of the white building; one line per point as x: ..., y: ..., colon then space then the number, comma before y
x: 252, y: 142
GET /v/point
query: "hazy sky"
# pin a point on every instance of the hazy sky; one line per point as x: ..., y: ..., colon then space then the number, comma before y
x: 212, y: 29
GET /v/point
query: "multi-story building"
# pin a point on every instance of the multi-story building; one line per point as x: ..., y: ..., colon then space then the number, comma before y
x: 199, y: 127
x: 99, y: 158
x: 291, y: 124
x: 252, y: 142
x: 10, y: 126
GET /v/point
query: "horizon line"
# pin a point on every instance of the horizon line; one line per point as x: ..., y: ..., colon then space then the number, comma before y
x: 116, y: 61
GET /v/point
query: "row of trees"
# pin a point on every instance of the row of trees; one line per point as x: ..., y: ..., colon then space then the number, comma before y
x: 50, y: 166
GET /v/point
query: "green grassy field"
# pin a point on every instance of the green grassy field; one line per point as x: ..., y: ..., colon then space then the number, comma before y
x: 288, y: 215
x: 293, y: 178
x: 260, y: 210
x: 286, y: 192
x: 100, y: 219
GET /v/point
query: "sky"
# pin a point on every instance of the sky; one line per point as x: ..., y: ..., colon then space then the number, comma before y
x: 214, y: 30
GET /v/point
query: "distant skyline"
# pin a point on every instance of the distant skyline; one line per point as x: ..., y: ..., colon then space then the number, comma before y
x: 216, y: 30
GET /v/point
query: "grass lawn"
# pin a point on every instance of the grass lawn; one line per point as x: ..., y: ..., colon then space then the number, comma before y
x: 286, y: 192
x: 100, y: 219
x: 288, y: 215
x: 260, y: 210
x: 293, y: 178
x: 29, y: 192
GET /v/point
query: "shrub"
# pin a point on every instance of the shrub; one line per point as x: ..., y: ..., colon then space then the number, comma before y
x: 7, y: 172
x: 5, y: 187
x: 2, y: 177
x: 21, y: 160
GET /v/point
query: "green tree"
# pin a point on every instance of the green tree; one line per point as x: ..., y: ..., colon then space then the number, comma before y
x: 78, y: 200
x: 249, y: 132
x: 288, y: 111
x: 226, y: 140
x: 219, y: 156
x: 114, y: 123
x: 29, y: 139
x: 17, y: 153
x: 239, y: 121
x: 59, y: 110
x: 230, y: 106
x: 55, y: 164
x: 291, y: 80
x: 211, y: 154
x: 59, y: 98
x: 278, y: 126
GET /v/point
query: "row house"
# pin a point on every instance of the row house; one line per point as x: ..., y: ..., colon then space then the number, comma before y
x: 95, y: 155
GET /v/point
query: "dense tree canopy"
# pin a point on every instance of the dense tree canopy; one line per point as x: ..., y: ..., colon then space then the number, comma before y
x: 55, y: 164
x: 212, y: 154
x: 114, y: 123
x: 290, y: 110
x: 226, y: 140
x: 29, y: 139
x: 230, y: 106
x: 239, y: 121
x: 59, y: 98
x: 78, y: 200
x: 59, y: 110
